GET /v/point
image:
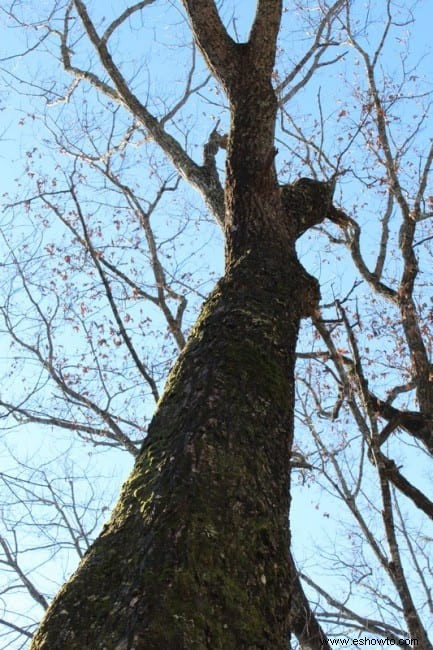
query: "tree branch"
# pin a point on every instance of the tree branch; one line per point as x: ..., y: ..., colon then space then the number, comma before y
x: 264, y: 33
x: 218, y: 48
x: 122, y: 93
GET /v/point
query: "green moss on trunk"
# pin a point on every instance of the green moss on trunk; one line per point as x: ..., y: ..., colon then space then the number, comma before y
x: 195, y: 554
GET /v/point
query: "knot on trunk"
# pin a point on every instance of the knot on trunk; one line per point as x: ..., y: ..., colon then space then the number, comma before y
x: 307, y: 202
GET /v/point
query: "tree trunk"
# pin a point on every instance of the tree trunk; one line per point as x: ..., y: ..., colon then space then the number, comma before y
x: 196, y: 552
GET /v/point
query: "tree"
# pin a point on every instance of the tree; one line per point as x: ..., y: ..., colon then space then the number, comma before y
x: 199, y: 536
x: 191, y: 487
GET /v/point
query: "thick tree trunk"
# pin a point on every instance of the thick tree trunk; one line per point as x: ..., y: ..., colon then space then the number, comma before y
x: 196, y: 552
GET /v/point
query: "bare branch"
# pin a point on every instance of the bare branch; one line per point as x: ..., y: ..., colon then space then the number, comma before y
x: 108, y: 291
x: 12, y: 561
x: 320, y: 44
x: 121, y: 92
x: 367, y: 624
x: 129, y: 11
x: 393, y: 474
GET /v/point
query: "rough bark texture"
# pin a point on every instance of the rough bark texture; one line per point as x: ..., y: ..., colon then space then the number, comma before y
x: 196, y: 552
